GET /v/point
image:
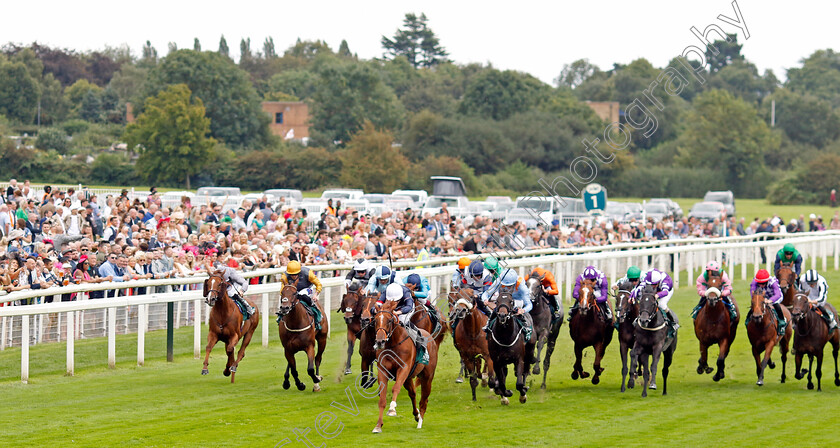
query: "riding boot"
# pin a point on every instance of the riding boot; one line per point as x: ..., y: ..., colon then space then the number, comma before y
x: 488, y: 327
x: 249, y: 310
x: 419, y: 344
x: 730, y: 305
x: 698, y: 307
x: 483, y: 307
x: 780, y: 317
x: 674, y: 322
x: 828, y: 316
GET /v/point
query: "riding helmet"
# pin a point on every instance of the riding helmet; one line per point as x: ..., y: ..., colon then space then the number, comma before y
x: 788, y: 248
x: 361, y: 265
x: 713, y: 266
x: 476, y: 268
x: 293, y: 267
x: 633, y: 273
x: 394, y: 292
x: 413, y: 279
x: 463, y: 262
x: 509, y: 278
x: 811, y: 276
x: 762, y: 276
x: 590, y: 272
x: 491, y: 263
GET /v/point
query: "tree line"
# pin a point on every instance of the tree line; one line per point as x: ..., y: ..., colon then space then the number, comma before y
x: 392, y: 121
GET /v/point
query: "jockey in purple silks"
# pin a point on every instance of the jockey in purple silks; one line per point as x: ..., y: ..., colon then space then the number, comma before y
x: 601, y: 287
x: 664, y: 287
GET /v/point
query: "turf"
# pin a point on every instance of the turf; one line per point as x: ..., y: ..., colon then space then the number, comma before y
x: 171, y: 404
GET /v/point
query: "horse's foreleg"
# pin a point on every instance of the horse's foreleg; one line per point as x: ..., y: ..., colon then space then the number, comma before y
x: 600, y: 348
x: 666, y: 367
x: 810, y: 369
x: 211, y: 342
x: 721, y: 361
x: 521, y: 370
x: 383, y: 398
x: 759, y: 363
x: 540, y: 343
x: 241, y: 354
x: 634, y: 364
x: 310, y: 366
x: 322, y: 345
x: 622, y: 349
x: 702, y: 363
x: 351, y: 341
x: 654, y: 364
x: 472, y: 370
x: 547, y: 360
x: 290, y: 358
x: 783, y: 348
x: 412, y: 394
x: 800, y: 372
x: 230, y: 348
x: 645, y: 373
x: 819, y: 370
x: 425, y: 391
x: 401, y: 378
x: 577, y: 369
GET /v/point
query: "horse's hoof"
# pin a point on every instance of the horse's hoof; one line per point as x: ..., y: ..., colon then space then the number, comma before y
x: 644, y: 394
x: 420, y: 423
x: 459, y: 380
x: 226, y: 372
x: 709, y: 370
x: 596, y: 379
x: 392, y: 413
x: 652, y: 386
x: 319, y: 377
x: 286, y: 385
x: 377, y: 430
x: 699, y: 370
x: 536, y: 370
x: 523, y: 398
x: 574, y: 375
x: 205, y: 372
x: 301, y: 386
x: 584, y: 374
x: 717, y: 377
x: 542, y: 386
x: 508, y: 393
x: 837, y: 382
x: 505, y: 401
x: 233, y: 369
x: 810, y: 386
x: 771, y: 364
x: 347, y: 371
x: 759, y: 383
x: 483, y: 383
x: 316, y: 387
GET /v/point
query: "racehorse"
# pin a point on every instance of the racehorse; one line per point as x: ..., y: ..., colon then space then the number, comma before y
x: 546, y: 326
x: 787, y: 282
x: 351, y: 306
x: 761, y: 330
x: 453, y: 297
x: 507, y: 345
x: 226, y: 324
x: 297, y: 333
x: 366, y: 339
x: 714, y: 325
x: 397, y: 358
x: 587, y: 328
x: 652, y: 340
x: 421, y: 319
x: 810, y: 336
x: 469, y: 339
x: 626, y: 313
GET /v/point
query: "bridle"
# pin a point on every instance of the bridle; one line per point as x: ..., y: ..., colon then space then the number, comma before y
x: 504, y: 318
x: 760, y: 295
x: 647, y: 301
x: 623, y: 303
x: 215, y: 293
x: 389, y: 330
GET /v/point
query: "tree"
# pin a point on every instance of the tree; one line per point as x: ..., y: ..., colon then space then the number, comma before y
x: 387, y: 173
x: 18, y: 92
x: 805, y: 118
x: 725, y: 133
x: 150, y: 55
x: 128, y: 83
x: 91, y: 107
x: 245, y: 55
x: 344, y: 49
x: 576, y: 73
x: 196, y: 45
x: 417, y: 42
x: 498, y: 95
x: 268, y: 48
x: 223, y: 47
x: 232, y: 104
x: 54, y: 106
x: 729, y: 51
x: 171, y: 135
x: 819, y: 76
x: 53, y: 138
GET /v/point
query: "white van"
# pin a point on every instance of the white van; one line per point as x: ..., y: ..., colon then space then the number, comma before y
x: 418, y: 196
x: 342, y: 193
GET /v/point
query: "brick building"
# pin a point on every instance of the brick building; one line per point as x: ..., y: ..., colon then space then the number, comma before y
x: 288, y: 116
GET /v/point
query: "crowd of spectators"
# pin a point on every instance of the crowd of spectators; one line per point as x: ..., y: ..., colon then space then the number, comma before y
x: 59, y: 237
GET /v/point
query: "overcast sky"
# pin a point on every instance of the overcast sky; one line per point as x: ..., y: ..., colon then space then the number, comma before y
x: 537, y: 37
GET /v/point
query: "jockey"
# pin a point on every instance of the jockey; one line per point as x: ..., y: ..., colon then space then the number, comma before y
x: 725, y: 293
x: 358, y: 276
x: 479, y: 280
x: 629, y: 281
x: 381, y: 278
x: 665, y: 289
x: 815, y: 286
x: 549, y: 287
x: 592, y: 273
x: 492, y: 266
x: 788, y: 255
x: 308, y: 287
x: 237, y: 285
x: 459, y: 277
x: 772, y: 294
x: 511, y: 283
x: 400, y: 294
x: 420, y: 289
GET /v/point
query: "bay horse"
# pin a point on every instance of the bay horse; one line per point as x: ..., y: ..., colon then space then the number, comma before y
x: 297, y: 333
x: 366, y: 339
x: 453, y: 297
x: 351, y: 306
x: 588, y: 329
x: 652, y: 340
x: 810, y: 336
x: 714, y: 325
x: 546, y: 326
x: 763, y: 335
x: 506, y: 344
x: 421, y: 319
x: 226, y: 324
x: 626, y: 312
x: 470, y: 339
x: 396, y: 355
x: 787, y: 282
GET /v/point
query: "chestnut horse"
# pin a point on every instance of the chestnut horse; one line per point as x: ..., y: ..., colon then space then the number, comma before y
x: 507, y: 345
x: 589, y: 329
x: 546, y: 326
x: 297, y: 333
x: 714, y: 325
x: 626, y: 312
x: 763, y: 334
x: 351, y: 306
x: 787, y: 282
x: 226, y: 324
x: 396, y: 355
x: 810, y: 336
x: 470, y: 339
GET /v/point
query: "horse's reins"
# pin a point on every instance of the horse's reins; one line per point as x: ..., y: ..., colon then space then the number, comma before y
x: 218, y: 296
x: 493, y: 333
x: 639, y: 322
x: 297, y: 330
